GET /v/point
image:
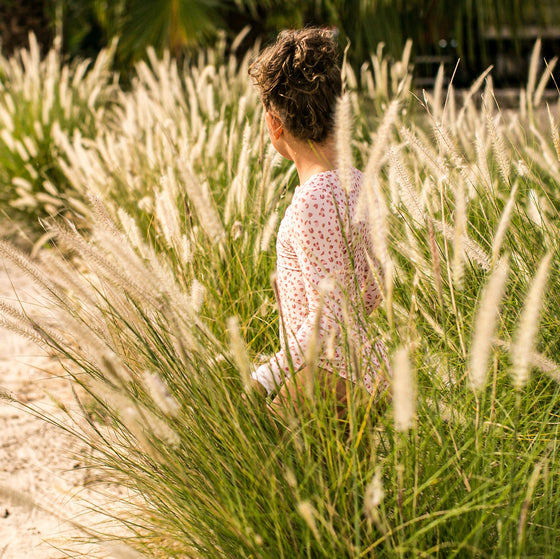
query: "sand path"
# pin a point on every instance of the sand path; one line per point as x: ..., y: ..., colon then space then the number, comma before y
x: 36, y: 459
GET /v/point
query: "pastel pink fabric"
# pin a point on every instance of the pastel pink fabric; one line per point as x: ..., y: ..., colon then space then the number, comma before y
x: 325, y: 285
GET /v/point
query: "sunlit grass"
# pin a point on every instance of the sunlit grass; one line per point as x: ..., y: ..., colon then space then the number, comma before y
x: 182, y: 197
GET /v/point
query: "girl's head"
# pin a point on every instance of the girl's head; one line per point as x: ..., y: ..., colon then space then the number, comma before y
x: 299, y: 79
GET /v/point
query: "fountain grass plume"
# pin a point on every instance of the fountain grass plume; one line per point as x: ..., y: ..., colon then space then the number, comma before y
x: 528, y: 324
x: 404, y: 391
x: 343, y: 134
x: 504, y: 224
x: 496, y: 135
x: 487, y: 315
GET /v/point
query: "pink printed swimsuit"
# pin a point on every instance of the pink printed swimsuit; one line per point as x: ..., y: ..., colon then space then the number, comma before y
x: 324, y: 280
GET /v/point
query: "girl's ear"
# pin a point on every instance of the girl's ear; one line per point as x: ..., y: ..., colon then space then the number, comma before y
x: 274, y: 124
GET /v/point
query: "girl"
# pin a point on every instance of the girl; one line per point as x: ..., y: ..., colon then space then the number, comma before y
x: 324, y: 283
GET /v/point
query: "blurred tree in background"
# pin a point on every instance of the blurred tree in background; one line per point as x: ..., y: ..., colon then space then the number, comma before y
x: 89, y: 25
x: 19, y: 17
x: 477, y: 31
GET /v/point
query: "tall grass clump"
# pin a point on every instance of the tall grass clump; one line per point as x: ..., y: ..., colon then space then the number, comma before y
x: 172, y: 144
x: 164, y: 303
x: 39, y: 98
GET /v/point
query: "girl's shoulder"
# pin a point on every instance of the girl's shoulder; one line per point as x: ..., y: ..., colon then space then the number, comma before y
x: 323, y: 192
x: 328, y: 183
x: 327, y: 180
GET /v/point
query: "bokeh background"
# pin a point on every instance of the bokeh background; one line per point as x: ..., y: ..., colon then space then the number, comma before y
x: 478, y: 32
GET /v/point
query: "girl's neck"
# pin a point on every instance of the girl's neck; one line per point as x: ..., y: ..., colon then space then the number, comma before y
x: 311, y: 158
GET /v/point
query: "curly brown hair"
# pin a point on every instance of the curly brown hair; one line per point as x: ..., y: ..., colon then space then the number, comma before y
x: 299, y: 77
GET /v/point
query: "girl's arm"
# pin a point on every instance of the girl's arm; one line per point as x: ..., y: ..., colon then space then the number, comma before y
x: 319, y: 244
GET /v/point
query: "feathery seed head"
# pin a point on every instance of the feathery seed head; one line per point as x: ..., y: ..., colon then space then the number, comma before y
x: 503, y: 158
x: 119, y: 550
x: 168, y: 218
x: 527, y: 328
x: 504, y: 223
x: 534, y: 210
x: 268, y: 231
x: 146, y: 204
x: 485, y: 325
x: 239, y: 352
x: 160, y: 394
x: 373, y: 496
x: 404, y: 391
x: 555, y: 133
x: 343, y: 134
x: 460, y: 234
x: 198, y: 292
x: 407, y: 193
x: 307, y: 512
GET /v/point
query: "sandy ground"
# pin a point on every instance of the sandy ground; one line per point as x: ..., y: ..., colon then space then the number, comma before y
x: 37, y: 460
